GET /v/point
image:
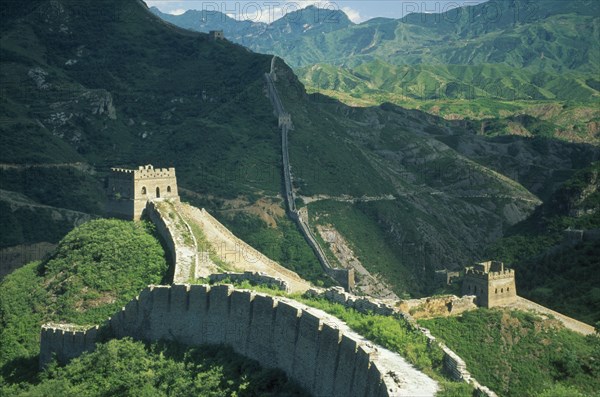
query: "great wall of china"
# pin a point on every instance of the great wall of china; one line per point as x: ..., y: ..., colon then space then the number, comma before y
x: 315, y: 349
x: 345, y: 277
x: 316, y: 342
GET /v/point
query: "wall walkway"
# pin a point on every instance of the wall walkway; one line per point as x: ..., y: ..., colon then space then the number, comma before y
x: 178, y: 236
x: 314, y: 348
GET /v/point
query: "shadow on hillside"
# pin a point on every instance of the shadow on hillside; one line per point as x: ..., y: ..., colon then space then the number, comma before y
x: 21, y: 369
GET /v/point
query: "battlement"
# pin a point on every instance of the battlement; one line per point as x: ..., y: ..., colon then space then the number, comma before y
x: 129, y: 190
x: 491, y: 283
x: 67, y: 341
x: 146, y: 172
x: 508, y: 273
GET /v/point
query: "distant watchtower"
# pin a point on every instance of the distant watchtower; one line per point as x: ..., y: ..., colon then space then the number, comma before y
x: 491, y: 283
x: 215, y: 35
x: 130, y: 190
x: 285, y: 119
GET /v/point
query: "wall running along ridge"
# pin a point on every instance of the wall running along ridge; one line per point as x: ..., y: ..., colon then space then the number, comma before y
x: 315, y: 349
x: 453, y: 364
x: 183, y: 254
x: 343, y: 276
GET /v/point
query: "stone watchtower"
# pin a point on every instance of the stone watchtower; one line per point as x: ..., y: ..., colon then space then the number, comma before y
x: 491, y: 283
x: 215, y: 35
x: 130, y: 190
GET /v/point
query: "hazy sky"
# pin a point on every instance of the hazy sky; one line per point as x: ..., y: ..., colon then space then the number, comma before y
x: 268, y: 11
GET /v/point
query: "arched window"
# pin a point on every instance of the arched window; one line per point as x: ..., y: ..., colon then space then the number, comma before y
x: 168, y: 189
x: 144, y: 190
x: 507, y: 289
x: 157, y: 192
x: 501, y: 290
x: 496, y: 290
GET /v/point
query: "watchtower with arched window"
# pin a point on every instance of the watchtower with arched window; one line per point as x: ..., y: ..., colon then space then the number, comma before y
x: 130, y: 190
x: 491, y: 283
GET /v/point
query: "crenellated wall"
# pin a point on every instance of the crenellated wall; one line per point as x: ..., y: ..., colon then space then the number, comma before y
x: 453, y: 364
x: 65, y: 341
x: 315, y: 349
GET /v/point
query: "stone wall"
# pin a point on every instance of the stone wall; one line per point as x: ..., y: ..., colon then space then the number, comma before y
x: 438, y: 306
x: 345, y: 277
x: 457, y: 368
x: 129, y: 190
x: 360, y: 304
x: 65, y: 341
x: 180, y: 240
x: 453, y: 364
x: 253, y: 277
x: 315, y: 349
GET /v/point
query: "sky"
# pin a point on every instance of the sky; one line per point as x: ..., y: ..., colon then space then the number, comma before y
x: 269, y: 11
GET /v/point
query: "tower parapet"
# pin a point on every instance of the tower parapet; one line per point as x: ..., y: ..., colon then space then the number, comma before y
x: 129, y: 190
x: 491, y: 283
x: 215, y: 35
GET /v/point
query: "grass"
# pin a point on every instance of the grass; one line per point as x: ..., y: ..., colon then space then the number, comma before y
x: 95, y: 270
x: 518, y: 354
x: 372, y: 245
x: 391, y: 332
x: 284, y: 244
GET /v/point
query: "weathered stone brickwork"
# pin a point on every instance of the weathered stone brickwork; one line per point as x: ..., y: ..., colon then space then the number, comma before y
x: 65, y: 341
x: 453, y: 364
x: 179, y: 238
x: 491, y: 283
x: 130, y: 190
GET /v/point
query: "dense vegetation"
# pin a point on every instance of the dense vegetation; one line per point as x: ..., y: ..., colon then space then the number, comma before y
x: 151, y: 93
x: 128, y: 368
x: 391, y: 332
x: 95, y: 270
x: 519, y: 354
x: 552, y: 271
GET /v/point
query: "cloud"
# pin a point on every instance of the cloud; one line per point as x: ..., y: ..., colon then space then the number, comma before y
x: 353, y: 14
x: 178, y: 11
x: 257, y: 11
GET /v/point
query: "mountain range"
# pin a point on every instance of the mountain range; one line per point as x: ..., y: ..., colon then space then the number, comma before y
x: 493, y: 60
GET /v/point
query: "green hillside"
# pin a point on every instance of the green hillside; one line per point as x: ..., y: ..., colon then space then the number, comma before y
x: 558, y: 275
x: 130, y: 89
x: 127, y: 368
x: 95, y: 270
x: 519, y: 354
